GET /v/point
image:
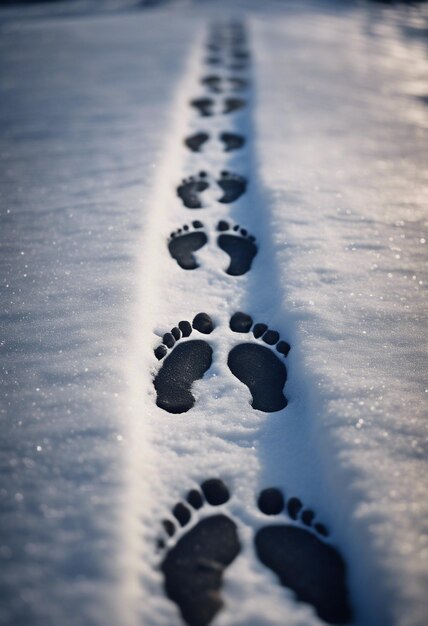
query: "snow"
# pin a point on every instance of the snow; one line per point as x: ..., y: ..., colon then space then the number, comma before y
x: 94, y: 110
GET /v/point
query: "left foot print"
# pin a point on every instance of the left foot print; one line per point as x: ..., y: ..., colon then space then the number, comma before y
x: 194, y: 566
x: 233, y: 187
x: 213, y: 82
x: 190, y: 189
x: 196, y: 141
x: 239, y: 245
x: 184, y: 242
x: 302, y: 559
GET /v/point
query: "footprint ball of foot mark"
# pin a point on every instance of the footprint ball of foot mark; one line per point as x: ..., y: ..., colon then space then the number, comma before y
x: 240, y: 248
x: 240, y: 322
x: 203, y: 323
x: 215, y: 491
x: 271, y: 337
x: 271, y: 501
x: 183, y: 246
x: 259, y: 330
x: 194, y: 498
x: 181, y: 513
x: 160, y: 352
x: 293, y: 507
x: 193, y: 567
x: 185, y: 327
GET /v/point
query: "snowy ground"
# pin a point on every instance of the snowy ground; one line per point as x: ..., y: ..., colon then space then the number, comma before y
x: 94, y: 108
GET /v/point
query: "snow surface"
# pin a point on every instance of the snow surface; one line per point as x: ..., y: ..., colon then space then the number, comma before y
x: 94, y: 109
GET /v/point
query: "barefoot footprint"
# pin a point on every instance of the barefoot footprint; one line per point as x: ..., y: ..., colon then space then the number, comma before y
x: 233, y: 104
x: 184, y: 242
x: 302, y: 559
x: 187, y: 362
x: 233, y: 186
x: 204, y: 106
x: 232, y: 141
x: 199, y: 544
x: 257, y: 366
x: 239, y: 245
x: 196, y: 141
x: 193, y: 567
x: 213, y: 82
x: 190, y: 189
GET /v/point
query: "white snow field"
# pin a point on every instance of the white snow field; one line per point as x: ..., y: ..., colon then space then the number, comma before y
x: 94, y: 110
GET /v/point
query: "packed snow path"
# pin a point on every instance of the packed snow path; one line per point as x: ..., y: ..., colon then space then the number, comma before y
x: 318, y: 237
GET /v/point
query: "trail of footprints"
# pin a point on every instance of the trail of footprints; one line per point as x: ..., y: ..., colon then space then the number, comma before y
x: 200, y: 539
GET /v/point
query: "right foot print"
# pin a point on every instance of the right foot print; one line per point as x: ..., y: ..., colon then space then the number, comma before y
x: 213, y: 60
x: 233, y: 187
x: 217, y: 84
x: 257, y: 366
x: 239, y: 245
x: 213, y: 82
x: 204, y: 106
x: 194, y: 566
x: 302, y: 559
x: 238, y: 84
x: 196, y: 141
x: 232, y: 141
x: 184, y: 242
x: 190, y: 189
x: 187, y: 362
x: 233, y: 104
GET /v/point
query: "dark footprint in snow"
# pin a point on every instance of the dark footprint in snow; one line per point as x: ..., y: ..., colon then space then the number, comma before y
x: 233, y: 187
x: 196, y: 141
x: 190, y: 189
x: 204, y: 106
x: 232, y: 141
x: 184, y: 242
x: 233, y: 104
x: 239, y: 245
x: 240, y: 55
x: 302, y: 559
x: 213, y: 82
x: 257, y: 366
x: 188, y: 361
x: 213, y: 60
x: 238, y: 66
x: 194, y: 566
x: 238, y: 84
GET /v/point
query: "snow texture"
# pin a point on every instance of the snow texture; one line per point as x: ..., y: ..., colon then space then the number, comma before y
x: 94, y: 114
